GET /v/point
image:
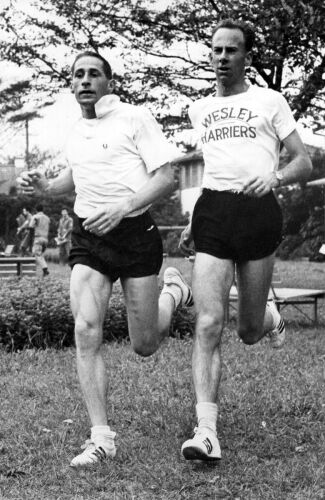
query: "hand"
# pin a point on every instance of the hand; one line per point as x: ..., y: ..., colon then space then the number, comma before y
x: 104, y: 219
x: 186, y: 242
x: 32, y: 182
x: 258, y: 186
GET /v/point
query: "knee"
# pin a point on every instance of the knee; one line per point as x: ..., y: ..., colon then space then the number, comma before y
x: 209, y: 328
x: 145, y: 347
x: 250, y: 333
x: 87, y: 335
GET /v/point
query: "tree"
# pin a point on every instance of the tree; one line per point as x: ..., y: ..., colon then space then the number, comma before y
x: 168, y: 47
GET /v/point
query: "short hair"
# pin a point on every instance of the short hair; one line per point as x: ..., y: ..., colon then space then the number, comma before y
x: 39, y: 207
x: 89, y: 53
x: 245, y: 28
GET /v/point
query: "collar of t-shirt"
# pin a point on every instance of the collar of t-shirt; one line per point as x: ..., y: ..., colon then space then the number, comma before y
x: 105, y: 105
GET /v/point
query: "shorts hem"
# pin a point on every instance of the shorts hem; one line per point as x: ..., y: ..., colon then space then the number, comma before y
x: 262, y: 255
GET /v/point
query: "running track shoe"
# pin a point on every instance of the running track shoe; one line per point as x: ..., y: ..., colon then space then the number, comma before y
x: 278, y: 334
x: 172, y: 276
x: 203, y: 446
x: 93, y: 454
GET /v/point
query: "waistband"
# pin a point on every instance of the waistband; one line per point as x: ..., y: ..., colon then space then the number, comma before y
x: 231, y: 191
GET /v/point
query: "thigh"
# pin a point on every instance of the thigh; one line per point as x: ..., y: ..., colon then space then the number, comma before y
x: 253, y: 282
x: 141, y: 300
x: 37, y: 249
x: 211, y: 283
x: 90, y: 292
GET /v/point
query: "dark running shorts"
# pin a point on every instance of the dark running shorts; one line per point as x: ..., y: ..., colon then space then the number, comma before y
x: 235, y: 226
x: 132, y: 249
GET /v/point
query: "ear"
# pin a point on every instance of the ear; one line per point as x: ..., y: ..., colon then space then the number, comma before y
x: 111, y: 86
x: 248, y: 59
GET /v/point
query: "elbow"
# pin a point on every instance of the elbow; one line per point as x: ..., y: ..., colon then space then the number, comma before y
x: 171, y: 184
x: 308, y: 168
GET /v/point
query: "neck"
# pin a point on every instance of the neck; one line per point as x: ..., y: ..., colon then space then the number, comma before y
x: 88, y: 111
x: 224, y: 90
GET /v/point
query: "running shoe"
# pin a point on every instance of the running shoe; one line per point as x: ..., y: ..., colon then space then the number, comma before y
x: 93, y: 454
x: 203, y: 446
x: 173, y: 277
x: 278, y: 334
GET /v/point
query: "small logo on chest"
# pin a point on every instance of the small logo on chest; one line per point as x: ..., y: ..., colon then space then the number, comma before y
x: 105, y: 146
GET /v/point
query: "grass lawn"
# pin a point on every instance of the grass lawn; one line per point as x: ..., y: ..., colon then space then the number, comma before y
x: 271, y: 425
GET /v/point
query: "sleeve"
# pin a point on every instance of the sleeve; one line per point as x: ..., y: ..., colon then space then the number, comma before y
x: 192, y: 114
x: 151, y: 143
x: 283, y: 120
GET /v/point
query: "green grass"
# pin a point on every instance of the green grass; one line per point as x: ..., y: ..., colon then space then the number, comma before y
x: 271, y: 425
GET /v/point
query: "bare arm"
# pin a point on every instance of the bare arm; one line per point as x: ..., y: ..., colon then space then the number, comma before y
x: 106, y: 218
x: 300, y: 166
x: 34, y: 181
x: 297, y: 170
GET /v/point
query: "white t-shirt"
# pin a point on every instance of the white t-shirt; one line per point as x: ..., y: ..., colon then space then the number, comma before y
x: 240, y: 135
x: 113, y: 155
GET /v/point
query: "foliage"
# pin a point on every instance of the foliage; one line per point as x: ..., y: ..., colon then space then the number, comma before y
x: 304, y: 217
x: 36, y: 313
x: 167, y: 46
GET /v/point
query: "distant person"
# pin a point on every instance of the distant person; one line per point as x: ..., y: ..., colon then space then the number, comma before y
x: 40, y: 223
x: 25, y: 232
x: 119, y: 164
x: 63, y: 239
x: 237, y: 223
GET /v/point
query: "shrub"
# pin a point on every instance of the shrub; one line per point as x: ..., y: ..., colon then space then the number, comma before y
x: 36, y: 313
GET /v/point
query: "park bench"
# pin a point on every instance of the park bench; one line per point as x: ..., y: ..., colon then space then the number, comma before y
x: 17, y: 266
x: 295, y: 297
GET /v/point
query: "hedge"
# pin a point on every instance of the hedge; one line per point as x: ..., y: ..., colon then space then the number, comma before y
x: 35, y: 313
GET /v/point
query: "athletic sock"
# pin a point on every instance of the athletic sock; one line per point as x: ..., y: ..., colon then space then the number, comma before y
x: 275, y: 317
x: 101, y: 433
x: 207, y: 414
x: 175, y: 292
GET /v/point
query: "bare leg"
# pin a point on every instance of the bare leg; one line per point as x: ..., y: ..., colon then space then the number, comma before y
x: 149, y: 316
x: 90, y: 293
x: 212, y: 279
x: 253, y: 281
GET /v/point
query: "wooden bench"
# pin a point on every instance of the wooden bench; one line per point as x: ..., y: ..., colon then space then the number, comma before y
x: 295, y: 297
x: 17, y: 266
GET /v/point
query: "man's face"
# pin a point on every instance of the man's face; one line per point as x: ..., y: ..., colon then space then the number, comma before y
x: 89, y: 82
x: 229, y: 56
x: 64, y: 213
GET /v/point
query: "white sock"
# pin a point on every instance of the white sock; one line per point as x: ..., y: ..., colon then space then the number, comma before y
x: 175, y: 292
x: 207, y: 415
x: 275, y: 318
x: 101, y: 433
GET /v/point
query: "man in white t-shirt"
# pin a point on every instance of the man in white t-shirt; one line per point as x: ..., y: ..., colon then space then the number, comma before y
x: 236, y: 223
x: 119, y: 163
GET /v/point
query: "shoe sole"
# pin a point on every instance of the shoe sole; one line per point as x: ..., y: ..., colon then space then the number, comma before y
x: 193, y: 453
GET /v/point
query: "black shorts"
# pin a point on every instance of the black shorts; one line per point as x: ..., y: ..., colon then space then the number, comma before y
x: 132, y: 249
x: 235, y: 226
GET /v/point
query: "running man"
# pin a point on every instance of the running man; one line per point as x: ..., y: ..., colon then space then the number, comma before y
x: 236, y: 223
x: 119, y: 163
